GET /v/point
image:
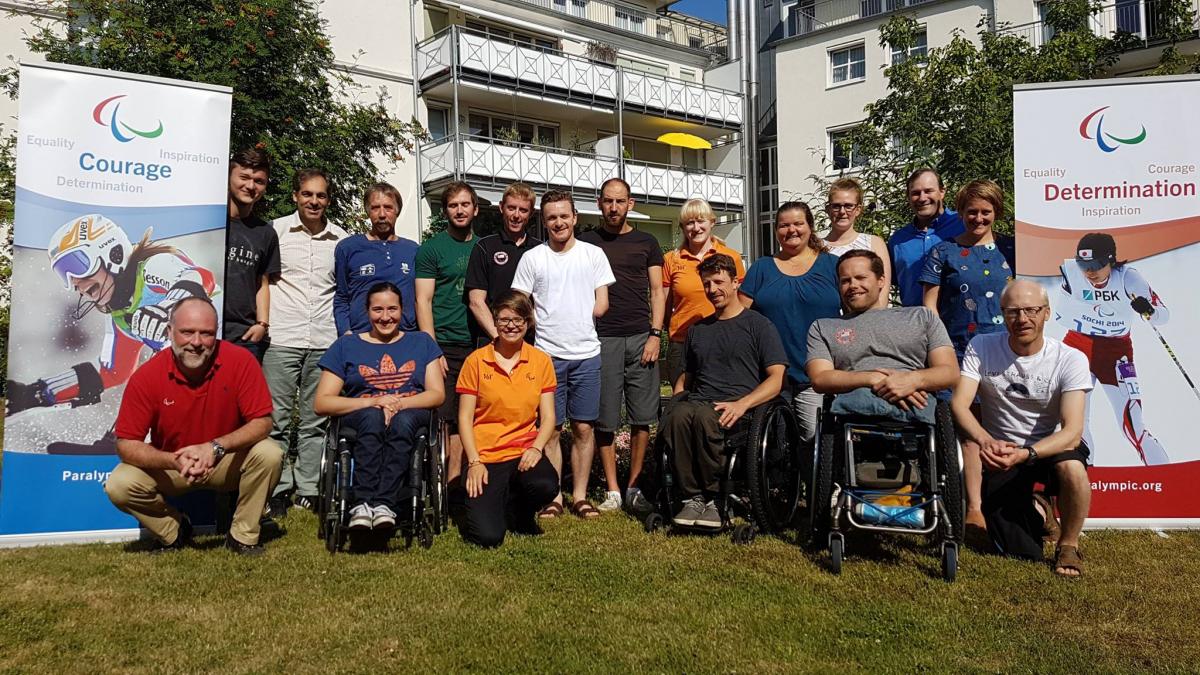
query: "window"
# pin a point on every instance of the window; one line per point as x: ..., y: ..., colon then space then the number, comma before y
x: 695, y: 42
x: 506, y: 128
x: 768, y: 179
x: 848, y: 65
x: 439, y: 123
x: 513, y: 37
x: 630, y: 19
x: 688, y: 75
x: 846, y: 156
x: 573, y: 7
x: 919, y: 48
x: 870, y: 7
x: 643, y: 66
x: 802, y: 18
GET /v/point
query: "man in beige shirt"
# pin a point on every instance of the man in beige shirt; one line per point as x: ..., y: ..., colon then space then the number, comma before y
x: 302, y: 328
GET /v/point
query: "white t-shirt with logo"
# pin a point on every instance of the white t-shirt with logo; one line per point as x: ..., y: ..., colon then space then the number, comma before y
x: 1020, y: 396
x: 563, y: 286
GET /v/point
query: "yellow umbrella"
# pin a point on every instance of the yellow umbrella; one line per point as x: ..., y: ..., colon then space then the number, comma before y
x: 685, y: 141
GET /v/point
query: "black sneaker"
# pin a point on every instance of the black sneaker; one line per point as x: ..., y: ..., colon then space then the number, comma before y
x: 277, y: 507
x: 248, y: 550
x: 307, y: 503
x: 182, y: 540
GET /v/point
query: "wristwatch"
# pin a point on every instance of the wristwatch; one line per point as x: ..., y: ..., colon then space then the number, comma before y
x: 1032, y: 455
x: 218, y: 450
x: 656, y: 332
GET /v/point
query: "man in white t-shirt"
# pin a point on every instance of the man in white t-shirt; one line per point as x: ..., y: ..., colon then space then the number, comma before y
x: 568, y: 280
x: 1032, y: 392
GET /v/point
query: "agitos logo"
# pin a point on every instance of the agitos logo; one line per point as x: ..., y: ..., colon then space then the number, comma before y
x: 116, y: 125
x: 1100, y: 134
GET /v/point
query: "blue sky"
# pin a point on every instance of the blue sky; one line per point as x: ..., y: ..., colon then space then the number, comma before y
x: 713, y: 10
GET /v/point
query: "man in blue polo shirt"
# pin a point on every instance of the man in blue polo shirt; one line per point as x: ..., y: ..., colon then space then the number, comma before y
x: 932, y: 224
x: 362, y: 260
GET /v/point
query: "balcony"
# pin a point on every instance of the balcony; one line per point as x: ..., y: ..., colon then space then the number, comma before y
x: 507, y: 66
x: 487, y: 162
x: 677, y: 29
x: 1142, y: 18
x: 808, y: 16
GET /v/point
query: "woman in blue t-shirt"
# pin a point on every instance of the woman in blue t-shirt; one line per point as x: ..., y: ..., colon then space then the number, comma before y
x: 794, y: 288
x: 382, y: 383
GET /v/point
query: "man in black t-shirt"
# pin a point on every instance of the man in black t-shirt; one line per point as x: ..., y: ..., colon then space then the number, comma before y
x: 733, y: 361
x: 494, y: 261
x: 630, y: 336
x: 251, y: 255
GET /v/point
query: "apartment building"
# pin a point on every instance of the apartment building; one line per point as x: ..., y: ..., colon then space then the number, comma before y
x: 828, y: 63
x: 558, y: 93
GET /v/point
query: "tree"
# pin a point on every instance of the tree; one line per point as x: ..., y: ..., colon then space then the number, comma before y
x: 289, y: 98
x: 951, y: 109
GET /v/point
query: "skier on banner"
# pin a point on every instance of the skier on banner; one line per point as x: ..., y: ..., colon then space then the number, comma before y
x: 136, y: 285
x: 1104, y: 297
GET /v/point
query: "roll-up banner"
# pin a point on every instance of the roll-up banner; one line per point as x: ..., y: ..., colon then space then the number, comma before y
x: 1108, y: 220
x: 120, y: 207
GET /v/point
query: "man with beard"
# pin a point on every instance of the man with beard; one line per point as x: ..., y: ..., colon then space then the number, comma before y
x: 206, y: 407
x: 441, y: 276
x: 494, y: 261
x: 630, y: 338
x: 363, y: 260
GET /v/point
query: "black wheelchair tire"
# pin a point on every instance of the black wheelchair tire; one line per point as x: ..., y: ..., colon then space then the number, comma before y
x: 325, y: 486
x: 949, y: 473
x: 436, y: 486
x: 820, y: 508
x: 773, y: 506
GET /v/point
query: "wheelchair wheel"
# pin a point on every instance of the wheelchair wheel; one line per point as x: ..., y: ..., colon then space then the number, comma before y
x: 837, y: 548
x: 336, y: 530
x: 653, y: 523
x: 435, y: 483
x: 325, y: 485
x: 949, y: 473
x: 949, y: 561
x: 744, y: 533
x: 773, y: 467
x: 820, y: 507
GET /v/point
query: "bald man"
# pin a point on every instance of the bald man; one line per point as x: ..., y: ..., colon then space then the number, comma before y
x: 206, y: 407
x: 1032, y: 391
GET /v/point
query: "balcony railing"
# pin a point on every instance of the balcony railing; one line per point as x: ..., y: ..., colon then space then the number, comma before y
x: 545, y: 72
x: 1144, y: 18
x: 488, y: 161
x: 675, y: 28
x: 809, y: 17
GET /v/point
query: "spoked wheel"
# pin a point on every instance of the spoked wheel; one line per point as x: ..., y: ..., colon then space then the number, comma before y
x: 949, y: 561
x: 744, y: 533
x: 336, y: 530
x: 773, y: 468
x: 436, y: 487
x: 820, y: 507
x: 837, y: 548
x: 325, y: 488
x: 653, y: 523
x: 949, y: 473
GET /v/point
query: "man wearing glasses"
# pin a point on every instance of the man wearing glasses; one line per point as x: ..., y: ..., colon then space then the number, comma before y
x: 1032, y: 391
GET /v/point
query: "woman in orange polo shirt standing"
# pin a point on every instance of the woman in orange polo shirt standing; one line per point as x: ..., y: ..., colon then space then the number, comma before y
x: 685, y: 292
x: 506, y: 418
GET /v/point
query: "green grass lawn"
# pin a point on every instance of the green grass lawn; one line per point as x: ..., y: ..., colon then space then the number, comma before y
x: 596, y: 596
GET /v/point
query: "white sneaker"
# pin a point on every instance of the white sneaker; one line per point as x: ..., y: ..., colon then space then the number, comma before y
x: 361, y: 517
x: 612, y: 501
x: 384, y: 518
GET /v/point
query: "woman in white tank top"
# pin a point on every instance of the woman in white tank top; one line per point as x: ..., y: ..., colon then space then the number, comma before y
x: 844, y: 207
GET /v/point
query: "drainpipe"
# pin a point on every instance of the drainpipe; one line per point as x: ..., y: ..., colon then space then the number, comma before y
x: 747, y: 43
x: 416, y: 84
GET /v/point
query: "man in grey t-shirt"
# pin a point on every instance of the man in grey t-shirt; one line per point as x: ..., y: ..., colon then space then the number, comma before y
x: 899, y: 354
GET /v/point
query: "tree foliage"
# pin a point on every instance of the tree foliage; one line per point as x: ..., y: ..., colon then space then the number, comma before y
x: 290, y: 97
x: 952, y: 109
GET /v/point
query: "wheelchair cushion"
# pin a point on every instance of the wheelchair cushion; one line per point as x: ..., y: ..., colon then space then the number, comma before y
x: 863, y: 402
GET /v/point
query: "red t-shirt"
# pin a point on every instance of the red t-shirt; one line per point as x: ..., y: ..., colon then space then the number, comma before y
x: 159, y: 400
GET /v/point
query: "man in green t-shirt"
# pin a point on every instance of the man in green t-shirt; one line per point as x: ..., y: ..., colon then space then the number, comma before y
x: 441, y: 273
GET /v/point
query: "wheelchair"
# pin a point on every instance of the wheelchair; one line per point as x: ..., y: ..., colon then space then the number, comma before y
x: 422, y: 506
x: 761, y: 477
x: 880, y: 474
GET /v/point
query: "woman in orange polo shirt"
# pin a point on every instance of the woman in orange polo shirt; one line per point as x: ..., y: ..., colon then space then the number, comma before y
x: 685, y: 292
x: 506, y: 418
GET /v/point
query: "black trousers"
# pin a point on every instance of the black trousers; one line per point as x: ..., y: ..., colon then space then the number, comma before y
x: 382, y: 452
x: 509, y: 501
x: 1014, y: 525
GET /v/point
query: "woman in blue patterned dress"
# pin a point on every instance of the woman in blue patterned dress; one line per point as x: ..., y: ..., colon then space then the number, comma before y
x: 964, y: 278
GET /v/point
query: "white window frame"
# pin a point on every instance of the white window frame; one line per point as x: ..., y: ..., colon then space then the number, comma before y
x: 849, y: 65
x: 893, y: 53
x: 631, y: 19
x: 830, y: 135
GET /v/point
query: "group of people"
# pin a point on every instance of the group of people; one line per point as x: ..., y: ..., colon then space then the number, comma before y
x: 507, y: 338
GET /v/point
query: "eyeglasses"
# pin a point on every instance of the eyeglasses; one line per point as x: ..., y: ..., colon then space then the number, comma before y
x: 1014, y: 313
x: 842, y: 207
x: 517, y: 322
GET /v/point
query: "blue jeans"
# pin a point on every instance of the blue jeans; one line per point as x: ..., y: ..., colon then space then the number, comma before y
x: 381, y: 453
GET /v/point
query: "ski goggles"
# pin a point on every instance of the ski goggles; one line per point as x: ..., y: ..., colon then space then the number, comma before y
x: 1092, y: 265
x: 74, y: 265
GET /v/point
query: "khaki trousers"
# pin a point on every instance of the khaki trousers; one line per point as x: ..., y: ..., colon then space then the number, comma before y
x: 140, y: 492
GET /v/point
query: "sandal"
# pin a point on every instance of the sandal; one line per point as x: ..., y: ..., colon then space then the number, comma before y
x: 584, y: 509
x: 1050, y: 525
x: 975, y: 534
x: 552, y: 510
x: 1068, y: 558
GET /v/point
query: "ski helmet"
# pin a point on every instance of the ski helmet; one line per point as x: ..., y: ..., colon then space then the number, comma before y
x: 82, y: 246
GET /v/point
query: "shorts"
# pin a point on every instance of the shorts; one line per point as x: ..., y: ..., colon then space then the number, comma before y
x: 578, y: 394
x: 1102, y: 353
x: 674, y: 362
x: 455, y: 356
x: 622, y: 375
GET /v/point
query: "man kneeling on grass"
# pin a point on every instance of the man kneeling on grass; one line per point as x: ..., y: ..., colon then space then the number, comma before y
x: 733, y: 361
x: 1033, y: 391
x: 205, y: 404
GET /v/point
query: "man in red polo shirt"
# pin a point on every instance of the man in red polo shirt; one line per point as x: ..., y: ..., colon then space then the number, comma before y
x: 207, y: 409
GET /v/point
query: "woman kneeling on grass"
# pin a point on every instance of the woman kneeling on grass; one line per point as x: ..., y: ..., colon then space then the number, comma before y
x: 506, y: 418
x: 383, y: 384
